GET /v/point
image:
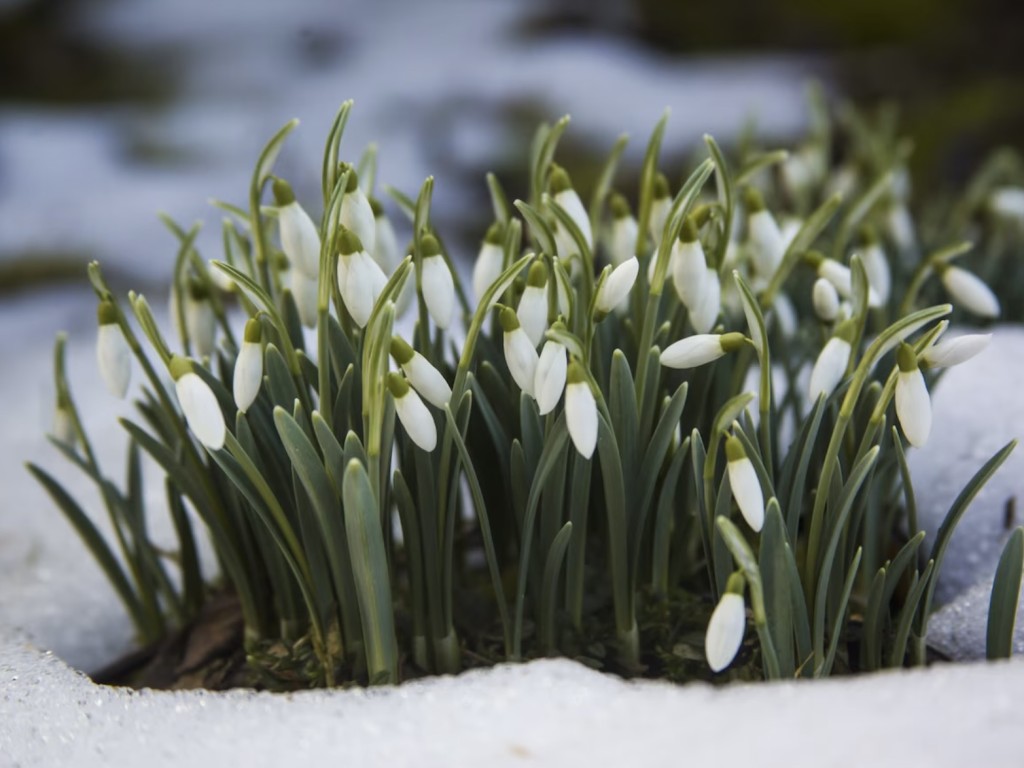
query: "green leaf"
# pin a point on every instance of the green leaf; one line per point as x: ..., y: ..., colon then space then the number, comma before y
x: 840, y: 618
x: 725, y: 197
x: 539, y: 228
x: 775, y: 572
x: 499, y: 200
x: 604, y: 181
x: 648, y: 170
x: 1002, y: 608
x: 329, y: 172
x: 804, y: 238
x: 549, y: 590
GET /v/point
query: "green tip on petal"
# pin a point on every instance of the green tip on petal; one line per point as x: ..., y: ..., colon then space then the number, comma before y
x: 734, y: 449
x: 732, y: 342
x: 868, y: 234
x: 429, y: 246
x: 353, y: 179
x: 813, y: 259
x: 736, y: 583
x: 752, y: 200
x: 283, y: 194
x: 906, y: 358
x: 661, y: 190
x: 179, y: 366
x: 376, y: 207
x: 495, y: 234
x: 401, y: 351
x: 397, y: 385
x: 619, y: 206
x: 537, y: 277
x: 559, y: 180
x: 253, y: 330
x: 348, y: 242
x: 508, y: 319
x: 106, y: 313
x: 688, y: 234
x: 576, y: 373
x: 846, y: 330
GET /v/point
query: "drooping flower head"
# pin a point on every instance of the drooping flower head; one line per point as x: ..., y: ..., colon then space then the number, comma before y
x: 300, y: 239
x: 356, y: 213
x: 112, y: 352
x: 580, y: 410
x: 520, y: 352
x: 830, y: 367
x: 248, y: 374
x: 689, y: 266
x: 489, y: 261
x: 412, y: 413
x: 746, y: 488
x: 700, y: 349
x: 913, y: 404
x: 437, y: 282
x: 198, y: 404
x: 423, y: 376
x: 533, y: 304
x: 562, y: 192
x: 727, y: 625
x: 614, y: 289
x: 624, y: 231
x: 360, y: 279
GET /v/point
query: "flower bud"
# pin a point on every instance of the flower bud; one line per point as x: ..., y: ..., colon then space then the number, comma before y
x: 200, y: 321
x: 249, y: 366
x: 360, y: 279
x: 423, y: 376
x: 300, y: 239
x: 437, y: 283
x: 746, y: 488
x: 617, y: 285
x: 950, y: 352
x: 412, y: 413
x: 968, y: 291
x: 825, y: 300
x: 356, y: 213
x: 520, y: 352
x: 549, y: 379
x: 689, y: 266
x: 533, y: 304
x: 580, y: 410
x: 385, y: 251
x: 113, y: 355
x: 913, y: 404
x: 830, y: 367
x: 624, y: 231
x: 704, y: 315
x: 489, y: 262
x: 562, y: 193
x: 765, y: 240
x: 694, y: 351
x: 661, y: 206
x: 726, y: 627
x: 198, y: 404
x: 306, y: 293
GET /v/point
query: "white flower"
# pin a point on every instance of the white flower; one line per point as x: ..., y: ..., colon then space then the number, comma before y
x: 830, y: 367
x: 199, y: 404
x: 789, y: 228
x: 64, y: 426
x: 520, y: 352
x: 617, y: 285
x: 624, y: 231
x: 913, y: 405
x: 704, y: 315
x: 746, y: 488
x: 423, y: 376
x: 300, y: 239
x: 580, y: 411
x: 549, y: 379
x: 689, y: 266
x: 219, y: 279
x: 437, y: 283
x: 876, y: 267
x: 357, y: 214
x: 766, y: 245
x: 413, y: 414
x: 565, y: 196
x: 825, y: 300
x: 950, y: 352
x: 533, y: 304
x: 200, y: 321
x: 489, y: 262
x: 661, y: 206
x: 360, y: 279
x: 969, y: 291
x: 249, y: 366
x: 694, y: 351
x: 900, y: 226
x: 784, y: 315
x: 725, y: 631
x: 839, y: 275
x: 113, y: 356
x: 306, y: 293
x: 385, y: 251
x: 1007, y: 203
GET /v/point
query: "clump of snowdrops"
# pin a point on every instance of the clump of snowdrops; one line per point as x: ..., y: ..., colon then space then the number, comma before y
x: 663, y: 432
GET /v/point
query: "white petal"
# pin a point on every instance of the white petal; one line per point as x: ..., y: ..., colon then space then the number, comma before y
x: 837, y: 274
x: 623, y: 240
x: 950, y: 352
x: 689, y: 271
x: 114, y: 359
x: 521, y: 358
x: 693, y: 351
x: 785, y: 315
x: 386, y: 251
x: 825, y: 300
x: 219, y: 279
x: 970, y: 292
x: 766, y: 244
x: 901, y: 227
x: 248, y: 375
x: 357, y: 215
x: 876, y: 266
x: 549, y: 379
x: 660, y: 210
x: 570, y: 201
x: 416, y: 420
x: 533, y: 312
x: 487, y: 268
x: 746, y: 489
x: 913, y: 406
x: 360, y: 280
x: 201, y: 324
x: 705, y: 314
x: 1007, y: 202
x: 617, y: 285
x: 725, y: 631
x: 438, y: 290
x: 427, y: 380
x: 306, y: 293
x: 829, y: 368
x: 202, y: 413
x: 300, y: 239
x: 64, y: 426
x: 581, y: 417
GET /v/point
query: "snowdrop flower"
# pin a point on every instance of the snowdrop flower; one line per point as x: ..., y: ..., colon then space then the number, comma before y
x: 694, y: 351
x: 360, y: 279
x: 64, y: 425
x: 489, y: 261
x: 112, y: 352
x: 533, y: 304
x: 765, y: 244
x: 549, y: 379
x: 746, y: 488
x: 689, y: 265
x: 950, y: 352
x: 219, y: 279
x: 423, y: 376
x: 789, y: 228
x: 580, y: 410
x: 704, y: 315
x: 249, y: 366
x: 839, y: 275
x: 614, y: 289
x: 306, y: 293
x: 876, y: 266
x: 825, y: 300
x: 200, y: 321
x: 913, y: 405
x: 661, y: 206
x: 437, y: 283
x: 803, y: 169
x: 562, y: 193
x: 413, y: 414
x: 520, y: 352
x: 300, y: 239
x: 357, y: 214
x: 784, y: 315
x: 385, y: 250
x: 198, y: 403
x: 968, y: 291
x: 727, y: 625
x: 624, y: 231
x: 830, y: 367
x: 900, y: 227
x: 1007, y: 203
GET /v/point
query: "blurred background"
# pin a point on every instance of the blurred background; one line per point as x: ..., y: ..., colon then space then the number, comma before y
x: 113, y: 110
